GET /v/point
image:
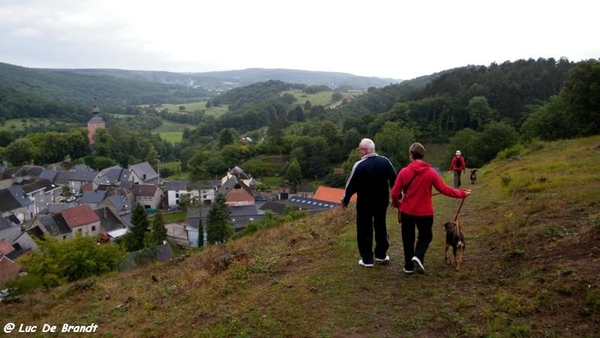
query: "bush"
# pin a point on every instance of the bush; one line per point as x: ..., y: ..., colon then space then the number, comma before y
x: 511, y: 152
x: 58, y: 263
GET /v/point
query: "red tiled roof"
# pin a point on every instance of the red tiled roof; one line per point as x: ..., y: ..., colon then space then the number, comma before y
x: 78, y: 216
x: 333, y: 195
x: 5, y: 247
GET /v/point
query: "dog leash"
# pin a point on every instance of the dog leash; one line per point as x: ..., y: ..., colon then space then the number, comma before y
x: 461, y: 204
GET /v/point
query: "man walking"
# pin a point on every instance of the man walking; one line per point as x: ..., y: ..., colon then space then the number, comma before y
x: 371, y: 179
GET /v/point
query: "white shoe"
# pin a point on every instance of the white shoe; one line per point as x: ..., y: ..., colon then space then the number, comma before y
x: 361, y: 263
x: 385, y: 260
x: 417, y: 262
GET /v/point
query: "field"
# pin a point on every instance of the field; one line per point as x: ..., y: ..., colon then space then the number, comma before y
x: 530, y: 270
x: 321, y: 98
x: 193, y: 106
x: 22, y: 124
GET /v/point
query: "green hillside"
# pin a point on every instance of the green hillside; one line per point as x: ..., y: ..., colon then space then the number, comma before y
x: 532, y: 227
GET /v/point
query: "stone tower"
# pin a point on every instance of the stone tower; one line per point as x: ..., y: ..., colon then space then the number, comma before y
x: 96, y: 122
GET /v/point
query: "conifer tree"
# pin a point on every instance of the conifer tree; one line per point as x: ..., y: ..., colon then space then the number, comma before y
x: 219, y: 226
x: 158, y: 233
x: 139, y: 220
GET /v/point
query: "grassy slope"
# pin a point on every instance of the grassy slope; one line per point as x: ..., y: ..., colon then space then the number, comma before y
x: 531, y: 269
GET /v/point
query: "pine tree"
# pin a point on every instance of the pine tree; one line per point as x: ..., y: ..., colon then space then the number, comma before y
x: 200, y: 232
x: 140, y: 225
x: 158, y: 233
x: 219, y: 225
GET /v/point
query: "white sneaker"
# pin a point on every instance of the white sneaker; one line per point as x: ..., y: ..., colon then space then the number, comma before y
x: 407, y: 271
x: 361, y: 263
x: 417, y: 262
x: 385, y: 260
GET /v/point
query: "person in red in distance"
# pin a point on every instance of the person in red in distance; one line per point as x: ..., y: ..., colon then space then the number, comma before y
x: 411, y: 194
x: 457, y: 165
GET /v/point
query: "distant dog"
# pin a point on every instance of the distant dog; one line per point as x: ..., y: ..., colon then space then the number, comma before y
x: 455, y: 239
x: 473, y: 176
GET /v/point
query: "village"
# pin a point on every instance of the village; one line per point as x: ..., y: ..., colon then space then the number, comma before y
x: 41, y: 201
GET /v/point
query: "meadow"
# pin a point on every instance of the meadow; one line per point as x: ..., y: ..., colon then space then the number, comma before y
x: 532, y: 226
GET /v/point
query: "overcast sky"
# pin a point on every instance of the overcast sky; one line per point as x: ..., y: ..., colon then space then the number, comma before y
x: 389, y: 39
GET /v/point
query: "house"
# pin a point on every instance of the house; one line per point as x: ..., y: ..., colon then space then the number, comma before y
x: 189, y: 232
x: 333, y: 195
x: 239, y: 174
x: 284, y: 192
x: 111, y: 224
x: 112, y: 177
x: 82, y: 219
x: 93, y: 198
x: 338, y: 171
x: 9, y: 270
x: 277, y: 208
x: 305, y: 190
x: 9, y: 231
x: 82, y: 180
x: 26, y: 173
x: 242, y: 215
x: 236, y: 192
x: 42, y: 192
x: 5, y: 247
x: 207, y: 190
x: 176, y: 189
x: 62, y: 178
x: 118, y: 203
x: 312, y: 205
x: 148, y: 195
x: 14, y: 202
x: 50, y: 225
x: 143, y: 173
x: 22, y: 244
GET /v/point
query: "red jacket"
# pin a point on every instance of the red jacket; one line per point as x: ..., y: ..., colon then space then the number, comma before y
x: 417, y: 199
x: 458, y: 163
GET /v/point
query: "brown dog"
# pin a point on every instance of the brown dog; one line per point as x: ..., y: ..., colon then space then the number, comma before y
x: 455, y: 239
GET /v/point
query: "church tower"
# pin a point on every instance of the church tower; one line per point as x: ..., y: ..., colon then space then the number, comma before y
x: 96, y: 122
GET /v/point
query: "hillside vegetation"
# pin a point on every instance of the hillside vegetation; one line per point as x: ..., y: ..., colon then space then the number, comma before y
x: 531, y: 269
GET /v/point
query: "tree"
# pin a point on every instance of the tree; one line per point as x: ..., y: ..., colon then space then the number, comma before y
x: 219, y: 225
x: 480, y: 112
x: 134, y: 240
x: 20, y: 151
x: 496, y: 136
x: 53, y: 146
x: 294, y: 173
x: 226, y: 136
x: 581, y: 93
x: 158, y: 233
x: 58, y: 262
x: 393, y: 142
x: 551, y: 121
x: 103, y: 143
x: 337, y: 96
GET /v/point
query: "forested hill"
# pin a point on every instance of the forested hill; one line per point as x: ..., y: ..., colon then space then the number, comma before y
x: 63, y: 86
x: 226, y: 80
x: 465, y: 97
x: 118, y: 89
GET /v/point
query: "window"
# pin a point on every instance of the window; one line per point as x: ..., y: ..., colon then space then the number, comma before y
x: 93, y: 228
